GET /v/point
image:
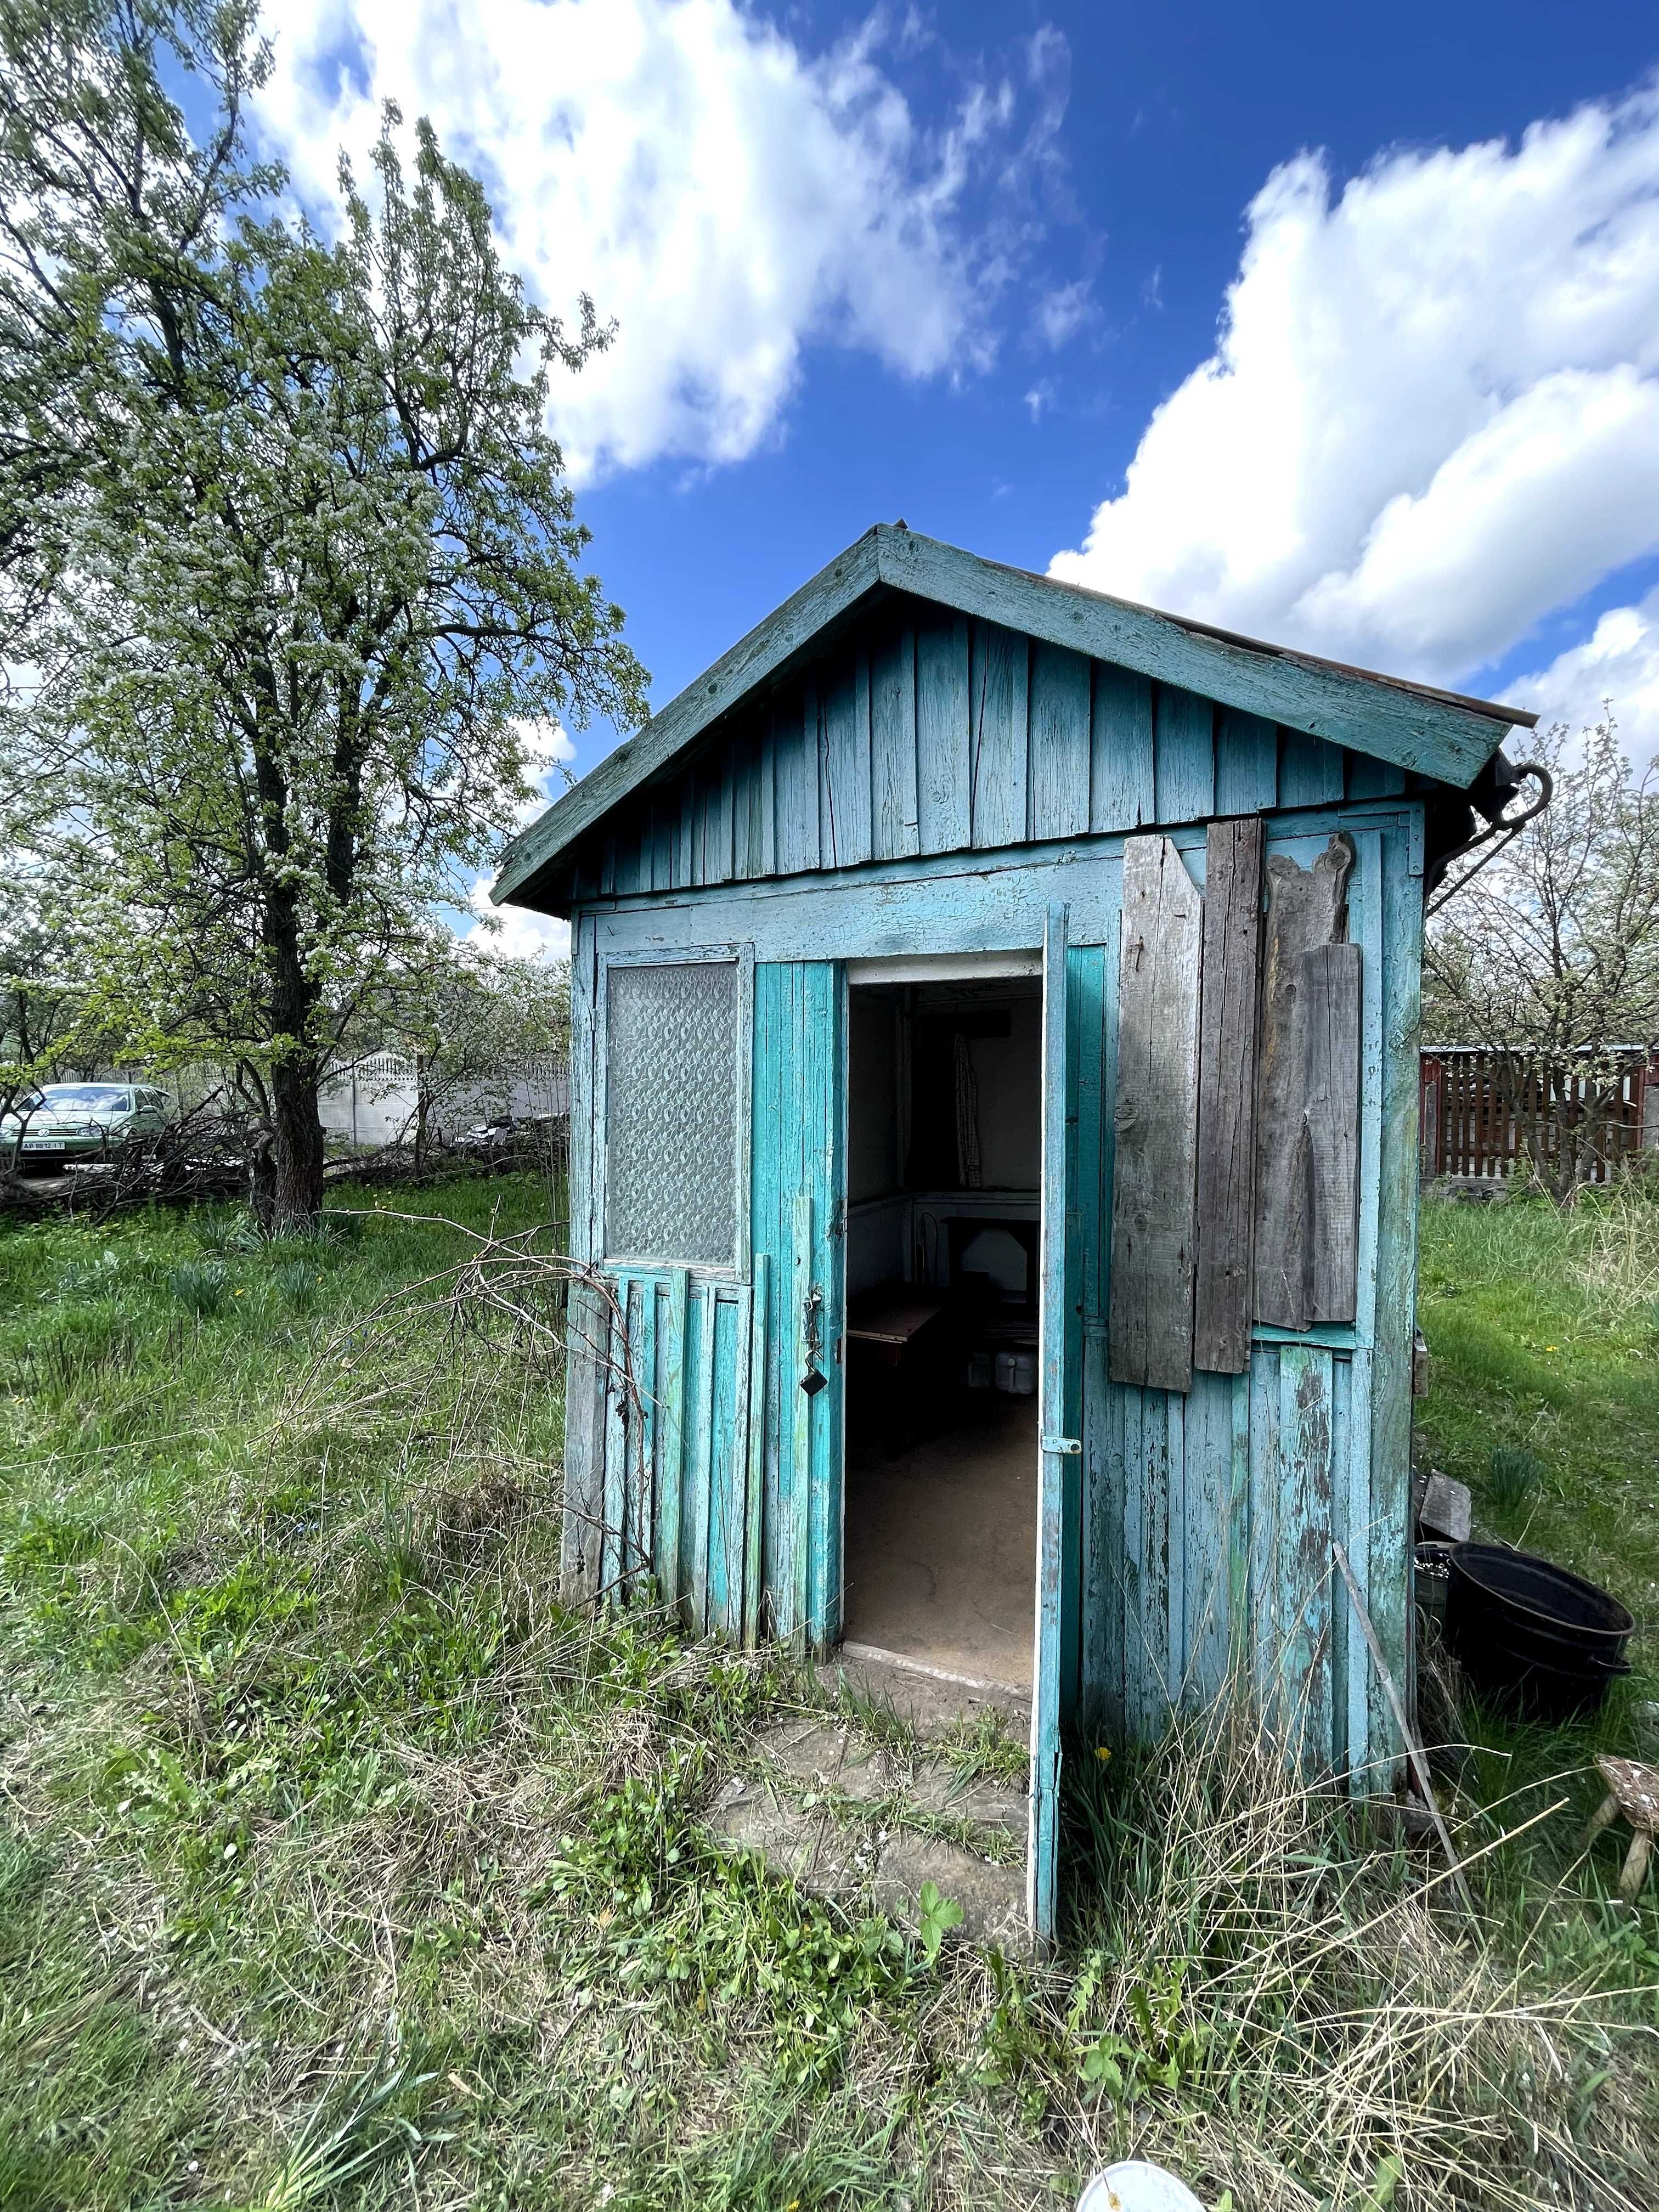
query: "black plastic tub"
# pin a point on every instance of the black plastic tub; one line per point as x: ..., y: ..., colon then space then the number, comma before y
x: 1528, y: 1634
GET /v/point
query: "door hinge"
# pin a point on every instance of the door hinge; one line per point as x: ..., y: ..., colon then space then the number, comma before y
x: 1068, y: 1446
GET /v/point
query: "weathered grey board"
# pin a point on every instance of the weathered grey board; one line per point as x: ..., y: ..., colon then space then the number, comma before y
x: 1307, y: 908
x: 1227, y: 1095
x: 1333, y: 983
x: 1160, y: 954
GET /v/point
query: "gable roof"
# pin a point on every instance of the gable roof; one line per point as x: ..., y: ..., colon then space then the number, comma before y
x: 1435, y: 733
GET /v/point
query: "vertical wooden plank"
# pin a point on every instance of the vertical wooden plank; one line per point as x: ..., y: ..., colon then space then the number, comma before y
x: 1309, y: 770
x: 794, y: 746
x: 1101, y: 1690
x: 1389, y: 1586
x: 1175, y: 1546
x: 1238, y: 1532
x: 1058, y: 723
x: 1133, y: 1404
x: 1355, y: 1474
x: 754, y: 1554
x: 1183, y: 754
x: 998, y: 763
x: 582, y: 1538
x: 1120, y: 751
x: 1086, y: 991
x: 1265, y: 1628
x: 617, y: 1423
x: 1206, y: 1514
x: 670, y: 1440
x: 1056, y: 1407
x: 1156, y: 1118
x: 1306, y: 907
x: 1369, y: 778
x: 893, y: 748
x: 683, y: 875
x: 699, y: 1447
x: 1365, y: 930
x: 1331, y: 979
x: 1303, y: 1555
x: 727, y: 1461
x: 801, y: 1411
x: 583, y: 1025
x: 725, y: 822
x: 766, y: 790
x: 847, y: 754
x: 642, y: 1331
x: 943, y: 773
x: 1227, y: 1095
x: 1246, y: 762
x: 827, y: 1006
x: 1081, y: 1156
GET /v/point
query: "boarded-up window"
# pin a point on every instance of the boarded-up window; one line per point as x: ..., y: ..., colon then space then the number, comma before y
x: 671, y: 1113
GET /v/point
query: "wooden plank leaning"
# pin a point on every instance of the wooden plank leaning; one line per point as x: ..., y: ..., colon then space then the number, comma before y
x: 1227, y: 1094
x: 1160, y: 959
x: 1306, y: 907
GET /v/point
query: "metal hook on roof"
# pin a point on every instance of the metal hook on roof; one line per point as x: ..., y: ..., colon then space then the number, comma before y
x: 1496, y: 835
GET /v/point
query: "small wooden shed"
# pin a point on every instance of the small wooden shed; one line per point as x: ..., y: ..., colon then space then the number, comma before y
x: 975, y: 976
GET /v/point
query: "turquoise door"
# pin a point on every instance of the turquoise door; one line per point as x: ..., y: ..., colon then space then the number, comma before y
x: 1060, y: 1432
x: 798, y: 1213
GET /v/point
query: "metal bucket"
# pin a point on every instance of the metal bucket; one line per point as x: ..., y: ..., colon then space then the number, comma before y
x: 1530, y: 1634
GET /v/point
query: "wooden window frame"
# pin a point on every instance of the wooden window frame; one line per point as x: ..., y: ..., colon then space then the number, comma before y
x: 742, y: 957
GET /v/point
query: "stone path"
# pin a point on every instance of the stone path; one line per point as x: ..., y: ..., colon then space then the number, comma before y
x: 850, y: 1819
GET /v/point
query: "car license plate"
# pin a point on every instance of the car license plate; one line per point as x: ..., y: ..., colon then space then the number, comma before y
x: 43, y: 1143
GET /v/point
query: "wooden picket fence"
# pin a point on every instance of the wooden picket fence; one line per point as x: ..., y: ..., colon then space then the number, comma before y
x: 1482, y: 1117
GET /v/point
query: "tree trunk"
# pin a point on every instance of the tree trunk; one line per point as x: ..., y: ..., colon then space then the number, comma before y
x: 296, y: 1149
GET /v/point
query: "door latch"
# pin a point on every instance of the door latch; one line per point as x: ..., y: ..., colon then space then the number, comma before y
x: 1068, y: 1446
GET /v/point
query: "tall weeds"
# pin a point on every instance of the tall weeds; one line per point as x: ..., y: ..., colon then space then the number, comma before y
x: 1289, y: 2013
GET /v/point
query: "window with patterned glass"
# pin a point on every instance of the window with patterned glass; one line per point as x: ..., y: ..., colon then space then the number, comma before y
x: 671, y: 1113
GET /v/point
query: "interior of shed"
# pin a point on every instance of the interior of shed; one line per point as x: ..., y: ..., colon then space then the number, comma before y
x: 944, y: 1146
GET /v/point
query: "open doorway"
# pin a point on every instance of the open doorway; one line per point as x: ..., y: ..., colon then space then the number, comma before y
x: 945, y: 1150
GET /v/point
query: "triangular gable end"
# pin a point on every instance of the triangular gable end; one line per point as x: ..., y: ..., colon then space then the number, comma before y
x: 1412, y: 727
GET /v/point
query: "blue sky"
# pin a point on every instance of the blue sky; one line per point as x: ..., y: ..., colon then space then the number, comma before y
x: 1338, y: 325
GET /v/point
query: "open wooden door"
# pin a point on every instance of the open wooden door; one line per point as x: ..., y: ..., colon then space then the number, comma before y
x: 1059, y: 1414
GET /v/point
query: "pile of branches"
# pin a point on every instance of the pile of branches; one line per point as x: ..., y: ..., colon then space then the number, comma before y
x: 204, y: 1154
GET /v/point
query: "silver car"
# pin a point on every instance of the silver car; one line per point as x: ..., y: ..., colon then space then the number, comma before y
x: 63, y: 1122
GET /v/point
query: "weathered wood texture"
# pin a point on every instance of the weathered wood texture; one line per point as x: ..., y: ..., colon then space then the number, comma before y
x: 1306, y: 909
x: 1203, y: 1515
x: 1227, y: 1095
x: 1160, y: 952
x: 1060, y: 1405
x: 1333, y: 983
x: 1428, y: 734
x: 658, y: 1466
x: 935, y: 733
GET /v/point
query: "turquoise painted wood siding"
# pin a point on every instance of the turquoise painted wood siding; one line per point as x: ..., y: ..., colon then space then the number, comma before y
x: 928, y: 733
x: 1207, y: 1519
x: 666, y: 1376
x: 695, y: 1462
x: 959, y: 782
x: 797, y: 1212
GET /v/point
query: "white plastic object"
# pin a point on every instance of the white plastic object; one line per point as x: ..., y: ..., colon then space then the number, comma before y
x: 1136, y: 2185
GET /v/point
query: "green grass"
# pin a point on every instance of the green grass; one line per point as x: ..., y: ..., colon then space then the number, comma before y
x: 338, y: 1866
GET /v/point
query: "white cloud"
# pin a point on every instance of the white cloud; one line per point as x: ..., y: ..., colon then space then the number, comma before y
x: 726, y: 197
x: 1618, y: 661
x: 1432, y: 416
x: 1062, y: 313
x: 520, y: 934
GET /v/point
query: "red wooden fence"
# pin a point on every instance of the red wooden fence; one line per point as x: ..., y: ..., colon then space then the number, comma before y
x: 1483, y: 1115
